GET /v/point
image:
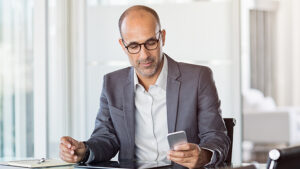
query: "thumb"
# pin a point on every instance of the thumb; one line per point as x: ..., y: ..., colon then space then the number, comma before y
x: 81, y: 145
x: 75, y: 144
x: 69, y: 142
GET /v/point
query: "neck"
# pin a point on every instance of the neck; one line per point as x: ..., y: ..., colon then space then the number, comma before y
x: 147, y: 81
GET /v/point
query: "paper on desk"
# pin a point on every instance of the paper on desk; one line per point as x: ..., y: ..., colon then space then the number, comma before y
x: 35, y: 163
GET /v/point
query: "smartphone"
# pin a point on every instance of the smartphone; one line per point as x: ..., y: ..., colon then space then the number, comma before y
x: 176, y: 138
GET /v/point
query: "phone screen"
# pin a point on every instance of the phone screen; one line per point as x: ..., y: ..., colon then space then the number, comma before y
x: 176, y: 138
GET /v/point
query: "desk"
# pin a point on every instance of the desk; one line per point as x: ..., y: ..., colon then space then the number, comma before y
x: 259, y: 166
x: 3, y: 165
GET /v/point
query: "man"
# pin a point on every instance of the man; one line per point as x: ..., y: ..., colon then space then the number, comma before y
x: 140, y: 105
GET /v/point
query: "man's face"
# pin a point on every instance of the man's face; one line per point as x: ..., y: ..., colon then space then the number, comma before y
x: 137, y: 29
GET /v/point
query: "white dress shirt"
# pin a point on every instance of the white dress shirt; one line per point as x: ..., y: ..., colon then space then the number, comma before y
x: 151, y: 127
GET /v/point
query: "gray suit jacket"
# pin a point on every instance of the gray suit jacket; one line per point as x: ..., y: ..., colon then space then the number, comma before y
x: 192, y: 105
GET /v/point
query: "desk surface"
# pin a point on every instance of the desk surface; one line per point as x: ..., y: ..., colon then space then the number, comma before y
x: 3, y: 165
x: 259, y: 166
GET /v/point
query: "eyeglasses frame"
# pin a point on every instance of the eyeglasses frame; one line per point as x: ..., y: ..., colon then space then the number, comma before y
x: 140, y: 44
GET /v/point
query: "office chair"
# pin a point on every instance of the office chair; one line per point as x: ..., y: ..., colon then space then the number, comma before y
x: 229, y: 123
x: 287, y: 158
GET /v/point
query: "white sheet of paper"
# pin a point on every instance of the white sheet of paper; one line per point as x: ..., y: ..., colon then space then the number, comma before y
x: 35, y: 163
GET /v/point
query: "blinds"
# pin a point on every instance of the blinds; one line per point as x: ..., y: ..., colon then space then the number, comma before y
x: 262, y: 55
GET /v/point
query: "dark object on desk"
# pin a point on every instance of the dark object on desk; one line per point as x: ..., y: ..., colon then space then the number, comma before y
x: 127, y: 165
x: 287, y: 158
x: 244, y: 167
x: 229, y: 123
x: 108, y: 164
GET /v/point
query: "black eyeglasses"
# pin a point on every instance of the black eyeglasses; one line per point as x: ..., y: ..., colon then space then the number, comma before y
x: 150, y: 44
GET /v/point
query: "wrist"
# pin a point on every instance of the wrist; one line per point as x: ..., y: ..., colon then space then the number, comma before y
x: 85, y: 146
x: 206, y: 155
x: 86, y: 153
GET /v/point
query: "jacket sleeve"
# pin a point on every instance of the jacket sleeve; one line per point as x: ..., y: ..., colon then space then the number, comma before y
x: 212, y: 130
x: 103, y: 142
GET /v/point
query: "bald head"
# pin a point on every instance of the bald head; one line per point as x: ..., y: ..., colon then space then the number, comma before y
x: 138, y: 12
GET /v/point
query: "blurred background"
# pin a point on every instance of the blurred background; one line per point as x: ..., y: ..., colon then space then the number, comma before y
x: 54, y: 53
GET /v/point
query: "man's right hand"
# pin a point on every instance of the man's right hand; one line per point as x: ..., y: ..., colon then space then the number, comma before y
x: 71, y: 150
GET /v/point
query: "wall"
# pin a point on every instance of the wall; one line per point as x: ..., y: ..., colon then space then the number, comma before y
x: 288, y: 53
x: 205, y: 33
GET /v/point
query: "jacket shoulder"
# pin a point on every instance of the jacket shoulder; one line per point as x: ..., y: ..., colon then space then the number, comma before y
x: 193, y: 69
x: 120, y: 75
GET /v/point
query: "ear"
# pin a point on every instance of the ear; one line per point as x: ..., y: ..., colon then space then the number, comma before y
x: 163, y: 37
x: 122, y: 45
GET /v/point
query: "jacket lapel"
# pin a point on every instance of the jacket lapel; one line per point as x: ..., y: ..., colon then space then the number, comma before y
x: 173, y: 86
x: 129, y: 109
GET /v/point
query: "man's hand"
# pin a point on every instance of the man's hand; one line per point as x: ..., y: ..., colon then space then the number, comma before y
x: 190, y: 155
x: 71, y: 150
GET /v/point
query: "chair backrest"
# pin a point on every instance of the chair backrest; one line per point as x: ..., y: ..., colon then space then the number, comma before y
x: 229, y: 123
x: 284, y: 158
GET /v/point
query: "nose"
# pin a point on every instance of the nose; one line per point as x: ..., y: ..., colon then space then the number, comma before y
x: 144, y: 53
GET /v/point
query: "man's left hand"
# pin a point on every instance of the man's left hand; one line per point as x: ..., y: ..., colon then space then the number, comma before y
x: 190, y: 155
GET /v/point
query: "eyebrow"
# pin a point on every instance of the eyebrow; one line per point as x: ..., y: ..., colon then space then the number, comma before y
x: 152, y: 38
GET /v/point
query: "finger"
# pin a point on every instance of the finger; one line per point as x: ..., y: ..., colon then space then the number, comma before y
x: 75, y: 144
x: 80, y: 145
x: 185, y: 146
x: 181, y: 154
x: 68, y: 159
x: 65, y: 141
x: 180, y: 160
x: 64, y: 149
x: 70, y: 142
x: 189, y: 163
x: 68, y: 155
x: 64, y: 158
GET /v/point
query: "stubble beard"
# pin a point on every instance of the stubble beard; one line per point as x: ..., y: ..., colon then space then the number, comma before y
x: 150, y: 71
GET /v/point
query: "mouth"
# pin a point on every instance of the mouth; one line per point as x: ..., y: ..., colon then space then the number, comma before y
x: 146, y: 64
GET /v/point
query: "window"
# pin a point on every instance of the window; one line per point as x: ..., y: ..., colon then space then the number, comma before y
x: 16, y: 78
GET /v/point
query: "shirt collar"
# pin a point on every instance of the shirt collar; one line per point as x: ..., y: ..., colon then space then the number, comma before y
x: 162, y: 78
